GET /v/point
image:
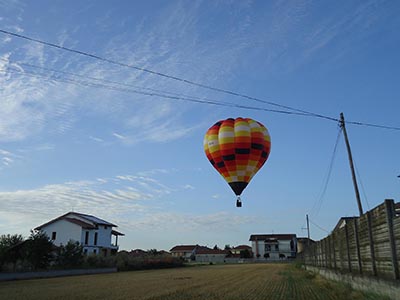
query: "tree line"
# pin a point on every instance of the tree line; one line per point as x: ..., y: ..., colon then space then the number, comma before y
x: 37, y: 252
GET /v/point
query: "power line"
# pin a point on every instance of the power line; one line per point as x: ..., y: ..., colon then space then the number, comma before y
x: 318, y: 204
x: 121, y: 64
x: 114, y: 88
x: 362, y: 186
x: 323, y: 229
x: 373, y: 125
x: 98, y: 79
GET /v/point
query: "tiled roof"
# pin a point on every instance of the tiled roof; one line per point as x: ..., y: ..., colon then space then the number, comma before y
x: 80, y: 223
x: 242, y: 247
x: 92, y: 220
x: 114, y: 232
x: 211, y: 251
x: 305, y: 239
x: 260, y: 237
x: 183, y: 248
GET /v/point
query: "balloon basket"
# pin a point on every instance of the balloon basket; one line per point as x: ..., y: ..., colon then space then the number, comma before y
x: 238, y: 202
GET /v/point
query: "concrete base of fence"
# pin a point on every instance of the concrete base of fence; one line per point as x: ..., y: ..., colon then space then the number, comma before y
x: 369, y: 284
x: 54, y: 273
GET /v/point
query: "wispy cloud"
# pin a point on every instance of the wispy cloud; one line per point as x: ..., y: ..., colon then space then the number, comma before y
x: 170, y: 43
x: 181, y: 222
x: 189, y: 187
x: 126, y: 200
x: 96, y: 139
x: 91, y: 196
x: 7, y: 158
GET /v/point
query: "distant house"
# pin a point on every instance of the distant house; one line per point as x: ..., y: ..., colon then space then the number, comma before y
x: 238, y: 249
x: 93, y: 233
x: 183, y: 251
x: 187, y: 252
x: 273, y: 246
x: 302, y: 244
x: 343, y: 221
x: 137, y: 252
x: 210, y: 255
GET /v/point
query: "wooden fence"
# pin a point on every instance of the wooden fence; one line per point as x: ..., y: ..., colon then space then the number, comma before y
x: 365, y: 245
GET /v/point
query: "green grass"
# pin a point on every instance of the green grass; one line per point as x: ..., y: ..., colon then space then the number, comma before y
x: 233, y: 282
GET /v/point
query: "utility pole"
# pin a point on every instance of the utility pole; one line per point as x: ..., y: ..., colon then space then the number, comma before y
x: 353, y: 174
x: 308, y: 231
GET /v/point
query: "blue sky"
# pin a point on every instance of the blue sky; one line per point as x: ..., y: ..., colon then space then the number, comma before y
x: 138, y: 160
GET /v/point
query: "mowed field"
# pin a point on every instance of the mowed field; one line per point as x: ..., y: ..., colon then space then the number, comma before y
x: 236, y: 282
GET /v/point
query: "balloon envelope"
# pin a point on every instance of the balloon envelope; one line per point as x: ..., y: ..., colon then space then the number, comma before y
x: 237, y: 149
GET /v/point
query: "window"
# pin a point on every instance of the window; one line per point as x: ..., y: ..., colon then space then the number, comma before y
x: 86, y: 237
x: 106, y: 227
x: 85, y: 251
x: 267, y: 247
x: 95, y: 238
x: 95, y: 251
x: 277, y: 247
x: 53, y: 235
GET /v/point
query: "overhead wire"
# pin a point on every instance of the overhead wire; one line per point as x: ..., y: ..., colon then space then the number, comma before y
x: 152, y: 94
x: 318, y: 203
x: 121, y: 64
x: 98, y: 79
x: 372, y: 125
x: 316, y: 225
x: 362, y: 185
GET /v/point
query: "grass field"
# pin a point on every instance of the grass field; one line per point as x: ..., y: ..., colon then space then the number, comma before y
x: 236, y: 282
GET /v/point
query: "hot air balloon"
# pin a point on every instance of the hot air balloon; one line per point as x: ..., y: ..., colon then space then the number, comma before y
x: 237, y: 149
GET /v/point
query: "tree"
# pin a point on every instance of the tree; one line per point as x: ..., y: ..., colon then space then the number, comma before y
x: 228, y: 247
x: 9, y: 250
x: 245, y: 254
x: 38, y: 250
x: 152, y: 252
x: 70, y: 255
x: 216, y: 247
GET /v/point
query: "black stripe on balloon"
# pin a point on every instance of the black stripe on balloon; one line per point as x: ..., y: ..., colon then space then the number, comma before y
x: 218, y: 124
x: 212, y: 162
x: 242, y: 151
x: 228, y: 157
x: 256, y: 146
x: 220, y: 164
x: 264, y: 154
x: 230, y: 119
x: 238, y: 187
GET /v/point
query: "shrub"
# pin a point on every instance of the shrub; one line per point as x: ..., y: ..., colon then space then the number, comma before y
x: 70, y: 255
x: 38, y: 250
x: 127, y: 262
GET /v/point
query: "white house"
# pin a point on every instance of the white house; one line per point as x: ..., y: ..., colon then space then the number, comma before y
x: 210, y: 255
x: 273, y: 246
x: 94, y: 234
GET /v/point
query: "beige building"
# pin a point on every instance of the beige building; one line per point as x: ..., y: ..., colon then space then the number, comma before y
x: 273, y: 246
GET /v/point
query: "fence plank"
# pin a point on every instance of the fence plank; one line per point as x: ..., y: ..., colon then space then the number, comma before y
x: 366, y: 245
x: 390, y: 214
x: 371, y: 243
x: 357, y: 245
x: 346, y: 230
x: 334, y: 251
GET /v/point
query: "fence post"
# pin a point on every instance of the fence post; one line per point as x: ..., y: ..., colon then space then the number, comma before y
x: 357, y: 245
x: 390, y: 213
x: 314, y: 256
x: 346, y: 230
x: 371, y: 243
x: 334, y: 251
x: 329, y: 252
x: 326, y: 253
